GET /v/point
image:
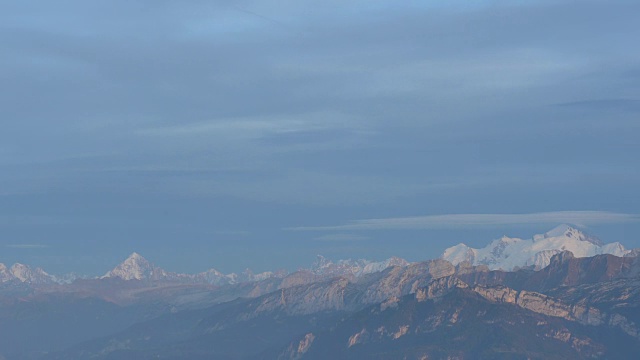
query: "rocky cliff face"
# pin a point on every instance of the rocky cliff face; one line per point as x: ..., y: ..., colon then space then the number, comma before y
x: 459, y: 325
x: 542, y: 304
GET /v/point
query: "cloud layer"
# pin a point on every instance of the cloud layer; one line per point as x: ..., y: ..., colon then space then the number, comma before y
x: 579, y: 218
x: 135, y: 125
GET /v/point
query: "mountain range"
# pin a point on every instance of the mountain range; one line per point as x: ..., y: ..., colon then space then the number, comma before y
x: 136, y: 267
x: 496, y: 303
x: 505, y: 253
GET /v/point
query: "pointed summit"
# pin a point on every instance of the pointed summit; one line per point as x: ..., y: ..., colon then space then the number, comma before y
x: 138, y: 260
x: 571, y: 232
x: 135, y: 267
x: 135, y: 257
x: 561, y: 230
x: 321, y: 263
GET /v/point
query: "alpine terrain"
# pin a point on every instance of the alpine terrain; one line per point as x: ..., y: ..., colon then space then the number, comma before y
x: 559, y: 295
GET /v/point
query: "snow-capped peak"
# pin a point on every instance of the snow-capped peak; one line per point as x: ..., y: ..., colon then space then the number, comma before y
x: 321, y: 263
x: 326, y: 267
x: 135, y: 256
x: 135, y: 267
x: 508, y: 253
x: 25, y: 274
x: 5, y: 274
x: 560, y: 230
x: 28, y: 275
x: 571, y: 232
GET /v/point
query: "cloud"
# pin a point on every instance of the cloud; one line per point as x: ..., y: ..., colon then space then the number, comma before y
x: 341, y: 237
x: 27, y: 246
x: 630, y: 105
x: 234, y: 232
x: 257, y: 126
x: 578, y: 218
x: 307, y: 188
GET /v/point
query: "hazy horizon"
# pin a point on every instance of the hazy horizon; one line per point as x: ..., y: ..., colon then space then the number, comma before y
x: 305, y: 262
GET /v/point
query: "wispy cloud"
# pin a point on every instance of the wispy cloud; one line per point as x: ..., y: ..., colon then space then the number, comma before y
x: 27, y: 246
x: 258, y: 126
x: 630, y: 105
x: 579, y: 218
x: 234, y: 232
x: 341, y: 237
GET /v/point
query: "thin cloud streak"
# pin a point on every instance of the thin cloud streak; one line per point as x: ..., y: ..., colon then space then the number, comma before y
x: 27, y: 246
x: 341, y: 237
x: 258, y: 125
x: 578, y: 218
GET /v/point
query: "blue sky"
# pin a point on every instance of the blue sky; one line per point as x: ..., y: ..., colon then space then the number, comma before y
x: 255, y: 134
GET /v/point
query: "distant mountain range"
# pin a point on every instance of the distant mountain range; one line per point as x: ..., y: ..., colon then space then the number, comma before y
x: 136, y: 267
x: 505, y: 253
x: 505, y: 301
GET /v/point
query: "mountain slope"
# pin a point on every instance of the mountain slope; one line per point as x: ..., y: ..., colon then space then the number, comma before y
x: 445, y: 319
x: 460, y: 325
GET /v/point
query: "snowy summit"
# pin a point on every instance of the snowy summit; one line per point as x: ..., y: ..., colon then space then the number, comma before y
x: 135, y: 267
x: 508, y: 253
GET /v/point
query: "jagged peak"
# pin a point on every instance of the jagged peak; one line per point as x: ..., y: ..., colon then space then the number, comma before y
x: 633, y: 253
x: 321, y: 263
x: 135, y: 256
x: 5, y: 274
x: 357, y: 267
x: 507, y: 239
x: 395, y: 260
x: 460, y: 246
x: 562, y: 230
x: 137, y: 260
x: 572, y: 232
x: 321, y: 259
x: 18, y: 266
x: 213, y: 271
x: 459, y: 250
x: 25, y: 273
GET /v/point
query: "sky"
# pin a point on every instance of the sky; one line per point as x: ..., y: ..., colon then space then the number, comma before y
x: 258, y: 134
